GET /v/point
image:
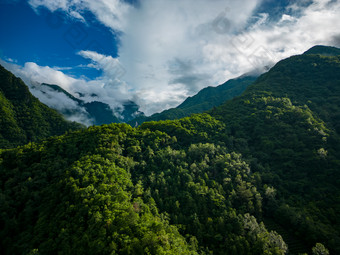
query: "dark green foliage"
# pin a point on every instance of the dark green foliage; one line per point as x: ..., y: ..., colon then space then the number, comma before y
x: 82, y: 203
x: 203, y: 101
x: 197, y: 128
x: 130, y: 111
x: 209, y: 97
x: 199, y: 185
x: 312, y: 80
x: 287, y: 125
x: 208, y: 193
x: 101, y: 113
x: 323, y: 50
x: 22, y: 117
x: 74, y: 194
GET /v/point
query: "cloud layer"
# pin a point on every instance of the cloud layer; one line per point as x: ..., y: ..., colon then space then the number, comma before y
x: 171, y: 49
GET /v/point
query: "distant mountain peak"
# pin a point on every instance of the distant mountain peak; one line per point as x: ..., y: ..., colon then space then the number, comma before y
x: 23, y: 118
x: 323, y: 50
x: 61, y: 90
x: 96, y: 111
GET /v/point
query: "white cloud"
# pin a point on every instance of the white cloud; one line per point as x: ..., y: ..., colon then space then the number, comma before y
x: 175, y: 48
x: 315, y: 24
x: 32, y: 73
x: 110, y: 66
x: 107, y: 89
x: 60, y: 102
x: 171, y: 49
x: 157, y: 37
x: 110, y: 12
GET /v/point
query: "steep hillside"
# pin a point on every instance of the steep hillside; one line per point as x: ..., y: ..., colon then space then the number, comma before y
x: 203, y: 101
x: 287, y: 123
x: 22, y: 117
x: 202, y: 184
x: 101, y: 191
x: 323, y: 50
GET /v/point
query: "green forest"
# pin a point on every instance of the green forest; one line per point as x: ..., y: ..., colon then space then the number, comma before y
x: 23, y: 118
x: 259, y: 174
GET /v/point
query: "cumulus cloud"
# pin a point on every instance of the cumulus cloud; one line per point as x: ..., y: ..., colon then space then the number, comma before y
x: 109, y: 89
x: 105, y: 89
x: 111, y: 13
x: 62, y: 103
x: 110, y: 66
x: 176, y: 48
x: 33, y: 75
x: 171, y: 49
x: 303, y: 28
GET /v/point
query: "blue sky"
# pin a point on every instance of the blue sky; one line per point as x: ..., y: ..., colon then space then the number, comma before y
x: 51, y: 38
x: 154, y: 52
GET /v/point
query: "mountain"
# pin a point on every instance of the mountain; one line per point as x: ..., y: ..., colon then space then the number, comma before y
x: 96, y: 112
x: 210, y: 97
x: 286, y: 126
x: 23, y: 118
x: 258, y: 174
x: 114, y: 189
x: 204, y: 100
x: 288, y: 122
x: 61, y: 90
x: 323, y: 50
x: 130, y: 111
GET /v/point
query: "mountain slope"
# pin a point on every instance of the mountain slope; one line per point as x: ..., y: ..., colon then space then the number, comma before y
x: 286, y: 126
x: 287, y: 122
x: 310, y: 79
x: 95, y: 112
x: 23, y: 117
x: 204, y: 100
x: 209, y: 97
x: 204, y: 183
x: 98, y: 191
x: 323, y: 50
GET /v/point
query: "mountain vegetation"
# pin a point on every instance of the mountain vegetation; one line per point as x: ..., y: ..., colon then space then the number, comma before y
x: 118, y: 190
x: 23, y: 118
x: 257, y: 175
x: 287, y: 124
x: 203, y: 101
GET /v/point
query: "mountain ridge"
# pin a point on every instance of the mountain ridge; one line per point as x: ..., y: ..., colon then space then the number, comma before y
x: 96, y: 111
x: 323, y: 50
x: 202, y: 184
x: 23, y: 117
x: 204, y: 100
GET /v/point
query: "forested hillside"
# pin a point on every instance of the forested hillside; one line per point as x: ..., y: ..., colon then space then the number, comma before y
x: 101, y: 191
x: 203, y: 101
x: 215, y: 183
x: 22, y: 117
x: 287, y: 123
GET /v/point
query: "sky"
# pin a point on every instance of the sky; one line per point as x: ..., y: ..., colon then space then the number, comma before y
x: 154, y: 52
